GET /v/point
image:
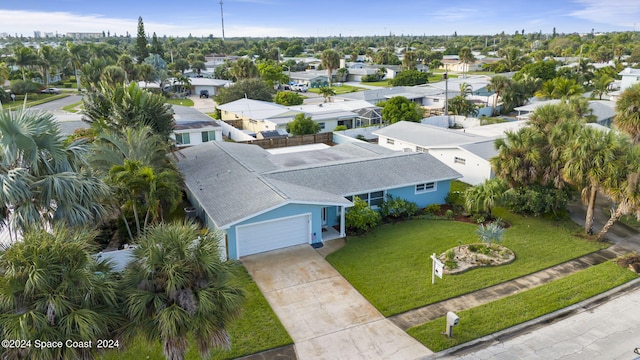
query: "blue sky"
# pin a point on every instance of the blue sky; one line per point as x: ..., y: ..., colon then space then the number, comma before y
x: 260, y: 18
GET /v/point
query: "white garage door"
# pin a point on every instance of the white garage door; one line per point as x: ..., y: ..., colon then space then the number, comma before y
x: 274, y: 234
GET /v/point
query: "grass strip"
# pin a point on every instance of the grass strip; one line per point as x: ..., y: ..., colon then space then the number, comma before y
x: 182, y: 102
x: 519, y: 308
x: 18, y: 104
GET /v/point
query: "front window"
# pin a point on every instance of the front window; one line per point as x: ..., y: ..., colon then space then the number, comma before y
x: 390, y: 141
x: 373, y: 199
x: 183, y: 139
x: 426, y: 187
x: 421, y: 149
x: 459, y: 160
x: 208, y: 136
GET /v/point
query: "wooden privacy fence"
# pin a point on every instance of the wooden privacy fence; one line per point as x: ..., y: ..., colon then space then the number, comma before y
x: 326, y: 138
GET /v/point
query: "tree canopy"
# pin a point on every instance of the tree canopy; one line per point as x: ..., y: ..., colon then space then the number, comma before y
x: 255, y: 89
x: 303, y: 125
x: 399, y: 108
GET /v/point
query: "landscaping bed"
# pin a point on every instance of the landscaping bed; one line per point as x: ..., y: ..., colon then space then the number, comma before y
x: 391, y: 264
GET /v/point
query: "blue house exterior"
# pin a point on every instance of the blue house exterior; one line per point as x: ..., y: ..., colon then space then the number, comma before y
x: 260, y: 202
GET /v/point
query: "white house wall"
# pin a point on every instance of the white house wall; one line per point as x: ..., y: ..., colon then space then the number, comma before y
x: 195, y: 136
x: 475, y: 169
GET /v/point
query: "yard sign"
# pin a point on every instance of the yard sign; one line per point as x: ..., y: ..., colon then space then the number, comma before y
x: 437, y: 268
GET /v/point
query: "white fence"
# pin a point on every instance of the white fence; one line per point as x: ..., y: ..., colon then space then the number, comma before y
x: 233, y: 133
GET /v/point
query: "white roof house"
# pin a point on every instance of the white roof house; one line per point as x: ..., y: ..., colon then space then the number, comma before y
x: 630, y: 76
x: 463, y: 151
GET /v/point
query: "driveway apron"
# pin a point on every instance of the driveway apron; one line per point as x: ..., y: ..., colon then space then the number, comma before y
x: 325, y: 316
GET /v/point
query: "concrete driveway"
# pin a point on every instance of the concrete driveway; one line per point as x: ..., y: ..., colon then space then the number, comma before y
x: 325, y: 316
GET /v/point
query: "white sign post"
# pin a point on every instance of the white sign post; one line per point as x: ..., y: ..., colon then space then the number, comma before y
x: 437, y: 268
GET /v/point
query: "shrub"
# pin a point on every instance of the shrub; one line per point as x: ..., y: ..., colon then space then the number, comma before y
x: 340, y: 128
x: 398, y: 208
x: 449, y: 214
x: 288, y: 98
x: 361, y: 217
x: 450, y: 254
x: 537, y: 200
x: 369, y: 78
x: 491, y: 233
x: 432, y: 208
x: 20, y: 87
x: 455, y: 198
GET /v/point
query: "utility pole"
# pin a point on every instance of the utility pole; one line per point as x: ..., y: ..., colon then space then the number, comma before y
x: 222, y: 18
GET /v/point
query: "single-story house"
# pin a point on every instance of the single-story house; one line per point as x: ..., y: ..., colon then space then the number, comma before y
x: 310, y: 78
x: 261, y: 201
x: 260, y: 116
x: 603, y: 110
x: 466, y: 153
x: 629, y: 76
x: 195, y: 132
x: 211, y: 85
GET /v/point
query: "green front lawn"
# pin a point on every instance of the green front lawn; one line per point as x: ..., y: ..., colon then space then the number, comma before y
x: 32, y: 99
x: 74, y: 108
x: 391, y: 267
x: 183, y: 102
x: 528, y: 305
x: 257, y: 330
x: 339, y: 89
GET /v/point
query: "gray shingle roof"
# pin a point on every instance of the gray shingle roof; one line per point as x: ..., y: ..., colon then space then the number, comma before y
x: 230, y: 191
x: 484, y: 149
x: 426, y: 135
x: 362, y: 175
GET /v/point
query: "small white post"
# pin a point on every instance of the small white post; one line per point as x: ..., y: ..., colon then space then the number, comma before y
x: 433, y: 269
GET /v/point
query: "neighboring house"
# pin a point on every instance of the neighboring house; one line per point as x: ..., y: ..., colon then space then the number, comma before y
x: 211, y: 85
x: 630, y: 76
x: 189, y: 133
x: 262, y: 201
x: 258, y: 116
x: 603, y: 110
x: 310, y: 78
x: 466, y: 153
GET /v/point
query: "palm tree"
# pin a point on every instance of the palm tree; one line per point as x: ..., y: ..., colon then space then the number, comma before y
x: 327, y: 93
x: 53, y: 289
x: 178, y: 288
x: 409, y: 60
x: 483, y: 197
x: 628, y: 112
x: 23, y: 57
x: 46, y: 60
x: 497, y: 84
x: 120, y: 107
x: 623, y: 187
x: 466, y: 57
x: 244, y: 68
x: 4, y: 73
x: 518, y: 157
x: 113, y: 75
x: 330, y: 61
x: 601, y: 86
x: 589, y: 159
x: 78, y: 56
x: 45, y: 181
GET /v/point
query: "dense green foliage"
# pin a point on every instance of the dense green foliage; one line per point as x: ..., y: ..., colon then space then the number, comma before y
x: 361, y: 217
x: 399, y: 108
x: 287, y: 98
x: 409, y: 78
x: 303, y: 125
x: 255, y: 89
x: 397, y: 208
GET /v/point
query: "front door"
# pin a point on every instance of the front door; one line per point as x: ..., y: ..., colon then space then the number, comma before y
x: 324, y: 216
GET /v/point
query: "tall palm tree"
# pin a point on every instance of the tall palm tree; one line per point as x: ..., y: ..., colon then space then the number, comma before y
x: 327, y: 93
x: 628, y: 112
x: 589, y: 159
x: 4, y: 73
x: 466, y: 57
x: 78, y: 56
x: 497, y: 84
x: 52, y: 289
x: 45, y: 180
x: 46, y: 60
x: 330, y: 61
x: 113, y: 75
x: 24, y: 57
x: 623, y: 187
x: 178, y: 288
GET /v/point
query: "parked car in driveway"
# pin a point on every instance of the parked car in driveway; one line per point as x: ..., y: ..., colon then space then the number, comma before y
x: 50, y: 91
x: 204, y: 94
x: 299, y: 87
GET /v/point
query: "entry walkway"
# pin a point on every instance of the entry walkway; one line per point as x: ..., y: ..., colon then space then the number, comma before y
x: 324, y: 315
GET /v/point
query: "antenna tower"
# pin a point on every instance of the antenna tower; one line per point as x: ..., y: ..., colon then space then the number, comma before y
x: 222, y: 18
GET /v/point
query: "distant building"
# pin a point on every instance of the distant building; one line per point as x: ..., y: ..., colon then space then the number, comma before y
x: 81, y: 35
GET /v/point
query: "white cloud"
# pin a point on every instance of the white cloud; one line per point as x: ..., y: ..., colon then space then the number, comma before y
x: 612, y: 12
x: 455, y: 14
